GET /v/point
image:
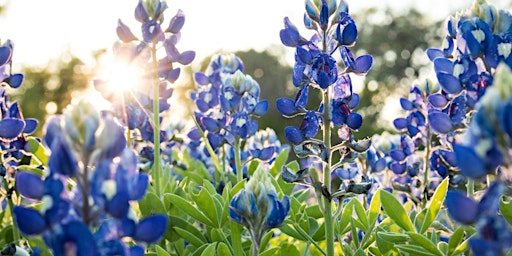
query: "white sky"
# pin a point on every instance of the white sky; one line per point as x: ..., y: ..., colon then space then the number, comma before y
x: 42, y: 29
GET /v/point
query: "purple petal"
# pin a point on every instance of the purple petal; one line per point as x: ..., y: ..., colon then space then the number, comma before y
x: 10, y: 128
x: 470, y: 164
x: 151, y: 229
x: 5, y: 55
x: 173, y: 75
x: 440, y: 122
x: 140, y: 13
x: 29, y: 221
x: 194, y: 134
x: 29, y: 185
x: 397, y: 155
x: 176, y: 23
x: 461, y: 208
x: 354, y: 101
x: 62, y: 160
x: 443, y: 65
x: 124, y: 33
x: 201, y: 78
x: 267, y: 153
x: 187, y: 57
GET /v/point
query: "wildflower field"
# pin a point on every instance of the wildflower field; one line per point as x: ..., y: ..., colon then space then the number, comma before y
x: 121, y: 181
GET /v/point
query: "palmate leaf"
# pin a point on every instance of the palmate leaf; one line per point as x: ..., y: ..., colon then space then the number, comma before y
x: 395, y: 211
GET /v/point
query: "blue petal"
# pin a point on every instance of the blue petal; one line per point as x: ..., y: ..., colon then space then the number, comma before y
x: 267, y: 153
x: 448, y: 156
x: 29, y: 185
x: 479, y: 246
x: 434, y: 53
x: 277, y: 212
x: 400, y: 123
x: 286, y: 106
x: 139, y: 189
x: 440, y: 122
x: 397, y: 168
x: 136, y: 250
x: 490, y: 203
x: 62, y: 160
x: 172, y: 76
x: 80, y: 234
x: 438, y: 100
x: 461, y: 208
x: 10, y: 128
x: 15, y: 80
x: 293, y: 135
x: 363, y: 64
x: 30, y: 125
x: 261, y: 108
x: 506, y: 119
x: 194, y: 134
x: 470, y: 164
x: 151, y: 229
x: 443, y: 65
x: 354, y: 101
x: 29, y: 221
x: 309, y: 126
x: 406, y: 104
x: 354, y: 121
x: 290, y: 34
x: 449, y: 83
x: 118, y: 206
x: 397, y: 155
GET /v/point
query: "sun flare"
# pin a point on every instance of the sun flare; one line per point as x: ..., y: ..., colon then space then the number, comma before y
x: 124, y: 77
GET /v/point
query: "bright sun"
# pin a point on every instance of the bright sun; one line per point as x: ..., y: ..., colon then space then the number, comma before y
x: 124, y: 77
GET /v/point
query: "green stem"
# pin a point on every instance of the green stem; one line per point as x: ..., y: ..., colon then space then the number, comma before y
x: 156, y: 121
x: 470, y: 187
x: 15, y: 234
x: 328, y: 216
x: 308, y: 237
x: 238, y: 161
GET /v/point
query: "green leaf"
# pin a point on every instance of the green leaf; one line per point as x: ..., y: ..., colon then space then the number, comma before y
x: 206, y: 204
x: 373, y: 213
x: 191, y: 210
x: 414, y: 250
x: 395, y: 210
x: 461, y: 248
x: 455, y: 239
x: 210, y: 250
x: 279, y: 162
x: 191, y: 238
x: 435, y: 205
x: 385, y: 247
x: 425, y: 243
x: 361, y: 214
x: 392, y: 237
x: 290, y: 230
x: 506, y: 209
x: 37, y: 150
x: 314, y: 211
x: 346, y: 216
x: 264, y: 241
x: 150, y: 204
x: 223, y: 249
x: 289, y: 250
x: 270, y: 252
x: 161, y: 251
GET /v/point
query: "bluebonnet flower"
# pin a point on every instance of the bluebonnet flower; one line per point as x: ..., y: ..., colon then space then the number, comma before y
x: 257, y: 206
x: 84, y: 145
x: 316, y: 67
x: 486, y: 143
x: 136, y: 108
x: 227, y: 101
x: 494, y: 234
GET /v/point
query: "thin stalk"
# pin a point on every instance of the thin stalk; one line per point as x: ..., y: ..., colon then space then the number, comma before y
x: 156, y: 121
x: 308, y: 237
x: 238, y: 161
x: 328, y: 216
x: 426, y: 165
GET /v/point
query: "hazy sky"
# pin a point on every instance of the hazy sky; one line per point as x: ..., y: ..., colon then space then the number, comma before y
x: 42, y: 29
